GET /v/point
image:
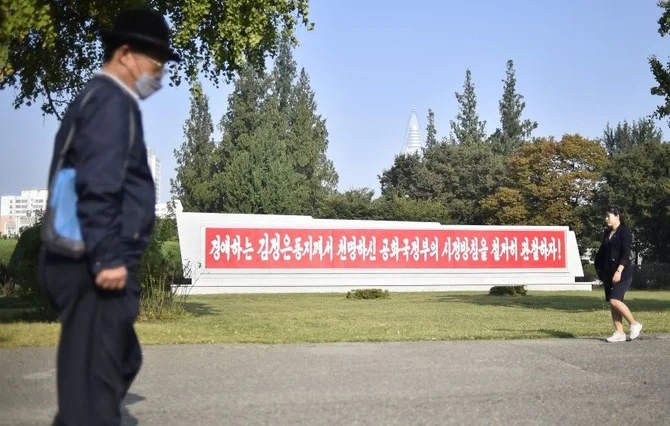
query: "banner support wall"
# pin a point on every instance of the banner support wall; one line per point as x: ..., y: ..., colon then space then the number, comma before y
x: 239, y: 253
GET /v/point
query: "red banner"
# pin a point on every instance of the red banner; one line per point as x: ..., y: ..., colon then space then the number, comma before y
x: 264, y: 248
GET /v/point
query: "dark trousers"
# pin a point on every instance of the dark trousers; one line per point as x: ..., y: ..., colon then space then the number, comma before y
x: 98, y: 353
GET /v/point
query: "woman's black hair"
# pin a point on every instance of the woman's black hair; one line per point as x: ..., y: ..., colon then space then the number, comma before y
x: 617, y: 211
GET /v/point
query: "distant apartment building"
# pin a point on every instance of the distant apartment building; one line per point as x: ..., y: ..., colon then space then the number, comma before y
x: 162, y: 209
x: 19, y: 211
x: 155, y: 166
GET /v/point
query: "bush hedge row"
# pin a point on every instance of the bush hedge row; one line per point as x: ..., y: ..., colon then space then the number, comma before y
x: 161, y: 266
x: 6, y: 250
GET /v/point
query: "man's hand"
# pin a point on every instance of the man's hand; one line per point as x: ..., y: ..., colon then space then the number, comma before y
x: 617, y: 277
x: 112, y: 279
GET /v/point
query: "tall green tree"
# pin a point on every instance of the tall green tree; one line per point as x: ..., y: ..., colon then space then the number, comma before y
x: 272, y: 157
x: 467, y: 129
x: 284, y: 75
x: 662, y: 72
x: 48, y: 48
x: 405, y: 178
x: 625, y: 135
x: 638, y: 180
x: 431, y: 131
x: 195, y: 171
x: 259, y: 176
x: 461, y: 176
x: 307, y: 135
x: 308, y: 145
x: 242, y: 117
x: 513, y: 131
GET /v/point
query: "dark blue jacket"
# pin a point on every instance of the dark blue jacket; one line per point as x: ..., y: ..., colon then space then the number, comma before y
x: 614, y: 252
x: 116, y: 191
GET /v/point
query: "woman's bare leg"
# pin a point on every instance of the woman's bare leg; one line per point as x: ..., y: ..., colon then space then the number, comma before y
x: 621, y: 311
x: 616, y: 318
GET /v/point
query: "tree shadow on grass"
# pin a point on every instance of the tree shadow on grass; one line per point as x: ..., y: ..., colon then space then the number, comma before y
x: 20, y: 313
x: 549, y: 333
x: 12, y: 315
x: 572, y: 303
x: 12, y: 302
x: 13, y: 309
x: 199, y: 309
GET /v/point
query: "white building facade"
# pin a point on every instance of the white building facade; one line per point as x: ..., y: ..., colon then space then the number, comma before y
x: 163, y: 209
x: 19, y: 211
x: 22, y: 211
x: 155, y: 167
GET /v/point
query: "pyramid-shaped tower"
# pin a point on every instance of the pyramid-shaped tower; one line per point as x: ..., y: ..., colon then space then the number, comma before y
x: 413, y: 140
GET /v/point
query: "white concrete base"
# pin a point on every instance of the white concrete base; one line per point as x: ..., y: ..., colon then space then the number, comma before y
x: 232, y: 289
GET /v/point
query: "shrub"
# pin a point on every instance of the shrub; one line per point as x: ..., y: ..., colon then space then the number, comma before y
x: 158, y: 300
x: 8, y: 289
x: 590, y: 274
x: 651, y: 275
x: 172, y: 254
x: 507, y: 290
x: 368, y: 293
x: 157, y: 273
x: 165, y: 229
x: 6, y: 250
x: 23, y: 271
x: 4, y: 275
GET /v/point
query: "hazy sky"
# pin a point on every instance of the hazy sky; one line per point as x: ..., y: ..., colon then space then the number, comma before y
x: 579, y: 65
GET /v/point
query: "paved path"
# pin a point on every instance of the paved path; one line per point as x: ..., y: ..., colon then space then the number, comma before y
x: 558, y: 381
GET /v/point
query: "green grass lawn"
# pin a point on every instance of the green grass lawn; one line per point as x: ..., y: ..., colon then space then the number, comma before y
x: 292, y: 318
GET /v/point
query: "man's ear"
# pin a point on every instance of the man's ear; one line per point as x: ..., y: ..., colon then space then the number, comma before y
x: 122, y: 53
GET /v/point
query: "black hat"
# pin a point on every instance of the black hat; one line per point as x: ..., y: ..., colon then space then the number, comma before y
x: 142, y: 29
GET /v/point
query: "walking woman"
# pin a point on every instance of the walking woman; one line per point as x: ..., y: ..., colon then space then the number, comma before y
x: 614, y: 268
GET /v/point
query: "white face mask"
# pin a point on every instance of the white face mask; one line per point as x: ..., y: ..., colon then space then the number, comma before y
x: 147, y: 85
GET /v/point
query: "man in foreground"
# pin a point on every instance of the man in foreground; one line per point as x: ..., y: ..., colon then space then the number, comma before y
x: 97, y: 294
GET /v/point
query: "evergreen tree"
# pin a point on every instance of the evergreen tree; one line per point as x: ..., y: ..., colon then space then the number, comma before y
x: 242, y: 116
x: 431, y: 132
x: 660, y: 71
x: 638, y: 180
x: 308, y: 145
x: 404, y: 178
x: 272, y: 155
x: 467, y: 129
x: 514, y: 131
x: 461, y: 176
x: 259, y: 177
x: 284, y: 75
x: 625, y: 135
x: 354, y: 204
x: 195, y: 163
x: 242, y: 161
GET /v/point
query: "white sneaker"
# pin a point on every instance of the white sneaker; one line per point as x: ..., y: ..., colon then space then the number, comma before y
x: 635, y: 331
x: 617, y: 337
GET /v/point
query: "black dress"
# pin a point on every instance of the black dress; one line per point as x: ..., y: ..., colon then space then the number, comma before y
x: 613, y: 252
